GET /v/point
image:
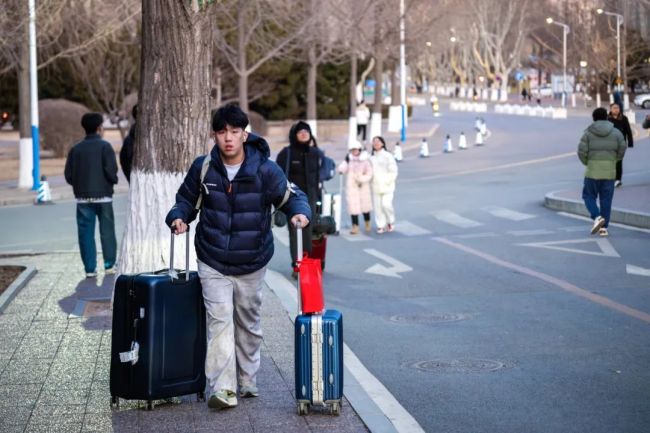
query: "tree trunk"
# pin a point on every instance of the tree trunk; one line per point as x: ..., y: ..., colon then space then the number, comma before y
x: 242, y: 62
x: 352, y: 125
x: 25, y: 179
x: 375, y: 121
x: 311, y: 89
x: 173, y: 124
x: 394, y: 87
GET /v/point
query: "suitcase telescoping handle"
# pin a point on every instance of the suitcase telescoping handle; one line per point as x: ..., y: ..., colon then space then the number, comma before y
x: 187, y: 255
x: 298, y: 260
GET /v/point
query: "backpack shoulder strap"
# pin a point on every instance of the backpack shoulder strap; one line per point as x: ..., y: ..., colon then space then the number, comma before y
x: 204, y: 171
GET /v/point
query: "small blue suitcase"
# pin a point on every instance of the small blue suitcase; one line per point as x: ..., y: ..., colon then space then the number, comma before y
x: 319, y: 361
x: 318, y: 356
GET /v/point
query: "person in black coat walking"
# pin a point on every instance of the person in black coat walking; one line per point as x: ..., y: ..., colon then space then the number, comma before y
x: 621, y: 123
x: 126, y: 153
x: 91, y: 169
x: 301, y: 162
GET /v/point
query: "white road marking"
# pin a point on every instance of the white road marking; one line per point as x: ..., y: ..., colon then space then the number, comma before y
x: 530, y: 232
x: 394, y: 412
x: 354, y: 238
x: 508, y: 214
x: 392, y: 271
x: 409, y: 229
x: 453, y: 218
x: 282, y: 235
x: 623, y: 226
x: 637, y: 270
x: 477, y: 235
x: 606, y: 248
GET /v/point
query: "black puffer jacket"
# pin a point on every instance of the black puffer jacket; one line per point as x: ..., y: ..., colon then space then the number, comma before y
x: 234, y: 231
x: 91, y: 168
x: 623, y: 124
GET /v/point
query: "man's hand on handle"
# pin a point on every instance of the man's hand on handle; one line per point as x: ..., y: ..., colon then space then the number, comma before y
x: 299, y: 219
x: 178, y: 226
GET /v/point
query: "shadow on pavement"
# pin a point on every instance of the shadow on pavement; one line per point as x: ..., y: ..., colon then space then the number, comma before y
x: 91, y: 301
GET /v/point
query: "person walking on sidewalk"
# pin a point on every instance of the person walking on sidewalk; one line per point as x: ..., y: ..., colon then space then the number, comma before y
x: 601, y: 146
x: 91, y: 169
x: 234, y: 243
x: 363, y: 116
x: 357, y: 187
x: 621, y: 123
x: 384, y: 175
x: 126, y: 153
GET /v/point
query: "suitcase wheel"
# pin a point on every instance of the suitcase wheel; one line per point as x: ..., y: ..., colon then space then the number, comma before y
x: 335, y: 408
x: 115, y: 402
x: 303, y: 408
x: 200, y: 396
x: 149, y: 405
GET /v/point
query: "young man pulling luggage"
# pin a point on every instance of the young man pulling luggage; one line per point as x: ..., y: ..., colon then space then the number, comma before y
x: 234, y: 243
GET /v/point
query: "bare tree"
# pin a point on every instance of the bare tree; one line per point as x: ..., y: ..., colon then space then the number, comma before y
x: 173, y: 122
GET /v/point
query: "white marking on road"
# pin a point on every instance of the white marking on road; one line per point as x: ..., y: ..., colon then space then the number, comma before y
x: 637, y: 270
x: 574, y: 229
x: 355, y: 238
x: 392, y: 271
x: 282, y: 235
x: 409, y: 229
x: 453, y: 218
x: 530, y: 232
x: 619, y: 225
x: 477, y: 235
x: 508, y: 214
x: 401, y: 420
x: 606, y: 248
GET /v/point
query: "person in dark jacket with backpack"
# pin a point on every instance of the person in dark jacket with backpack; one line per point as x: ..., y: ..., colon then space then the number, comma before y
x: 621, y: 123
x: 301, y: 162
x: 234, y: 243
x: 91, y: 169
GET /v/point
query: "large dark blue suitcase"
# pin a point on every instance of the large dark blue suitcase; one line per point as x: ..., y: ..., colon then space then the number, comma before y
x: 319, y: 360
x: 159, y: 336
x: 318, y: 356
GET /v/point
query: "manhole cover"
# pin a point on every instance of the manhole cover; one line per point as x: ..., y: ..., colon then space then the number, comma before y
x: 92, y: 308
x: 431, y: 318
x: 459, y: 366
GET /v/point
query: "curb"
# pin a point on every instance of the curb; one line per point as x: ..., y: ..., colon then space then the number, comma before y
x: 619, y: 215
x: 15, y: 287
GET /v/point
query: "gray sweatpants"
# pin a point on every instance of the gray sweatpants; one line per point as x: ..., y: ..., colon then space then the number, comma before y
x: 233, y: 306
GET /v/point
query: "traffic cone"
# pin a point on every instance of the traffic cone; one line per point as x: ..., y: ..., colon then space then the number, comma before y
x: 449, y: 146
x: 398, y: 152
x: 43, y: 194
x: 424, y: 149
x: 462, y: 141
x: 479, y: 139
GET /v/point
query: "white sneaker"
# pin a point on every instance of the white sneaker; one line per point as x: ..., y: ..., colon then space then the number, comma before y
x: 91, y: 274
x: 603, y: 232
x: 599, y: 222
x: 618, y: 183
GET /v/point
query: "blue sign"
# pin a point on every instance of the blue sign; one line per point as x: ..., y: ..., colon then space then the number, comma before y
x: 519, y: 75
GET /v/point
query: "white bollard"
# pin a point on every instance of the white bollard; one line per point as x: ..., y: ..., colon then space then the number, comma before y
x: 598, y: 100
x: 479, y: 139
x: 326, y: 205
x: 626, y: 102
x: 573, y: 100
x: 611, y: 98
x: 449, y: 146
x: 424, y: 149
x: 462, y: 141
x: 398, y: 152
x: 43, y: 194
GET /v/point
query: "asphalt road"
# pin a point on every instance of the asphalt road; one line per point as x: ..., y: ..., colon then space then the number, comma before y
x: 505, y: 316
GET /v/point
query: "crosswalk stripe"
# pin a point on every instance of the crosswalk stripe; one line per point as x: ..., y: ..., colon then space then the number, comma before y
x: 530, y: 232
x: 508, y: 213
x: 407, y: 228
x: 355, y: 238
x: 453, y: 218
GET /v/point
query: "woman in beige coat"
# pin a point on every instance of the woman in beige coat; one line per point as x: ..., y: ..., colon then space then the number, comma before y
x: 384, y: 170
x: 359, y: 175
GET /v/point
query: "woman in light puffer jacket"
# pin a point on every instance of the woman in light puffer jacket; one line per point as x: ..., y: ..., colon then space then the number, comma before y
x: 384, y: 170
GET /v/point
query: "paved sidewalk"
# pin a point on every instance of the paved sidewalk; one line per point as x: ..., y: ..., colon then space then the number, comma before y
x: 631, y: 204
x: 54, y: 367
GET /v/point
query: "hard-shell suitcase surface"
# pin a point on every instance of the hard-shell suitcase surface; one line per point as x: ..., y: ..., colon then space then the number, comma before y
x: 159, y: 336
x: 319, y: 360
x: 318, y: 356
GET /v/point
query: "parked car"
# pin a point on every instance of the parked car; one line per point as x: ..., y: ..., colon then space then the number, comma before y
x: 642, y: 100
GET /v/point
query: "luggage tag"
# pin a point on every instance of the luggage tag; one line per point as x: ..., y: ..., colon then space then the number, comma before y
x: 132, y: 355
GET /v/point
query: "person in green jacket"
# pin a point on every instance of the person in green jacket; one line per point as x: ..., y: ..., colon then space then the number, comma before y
x: 601, y: 146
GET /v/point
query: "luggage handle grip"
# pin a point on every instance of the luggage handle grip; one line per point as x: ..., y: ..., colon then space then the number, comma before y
x: 172, y: 272
x: 299, y: 256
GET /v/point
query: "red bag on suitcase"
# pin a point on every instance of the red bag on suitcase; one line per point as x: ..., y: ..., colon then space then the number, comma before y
x: 311, y: 285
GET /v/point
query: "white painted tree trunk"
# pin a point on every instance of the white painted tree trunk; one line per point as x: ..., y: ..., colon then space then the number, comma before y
x: 146, y: 241
x: 504, y: 88
x: 352, y: 130
x: 375, y: 125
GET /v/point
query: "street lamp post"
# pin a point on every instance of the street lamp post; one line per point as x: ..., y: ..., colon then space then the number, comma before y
x: 402, y: 68
x: 33, y: 87
x: 565, y: 32
x: 619, y: 22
